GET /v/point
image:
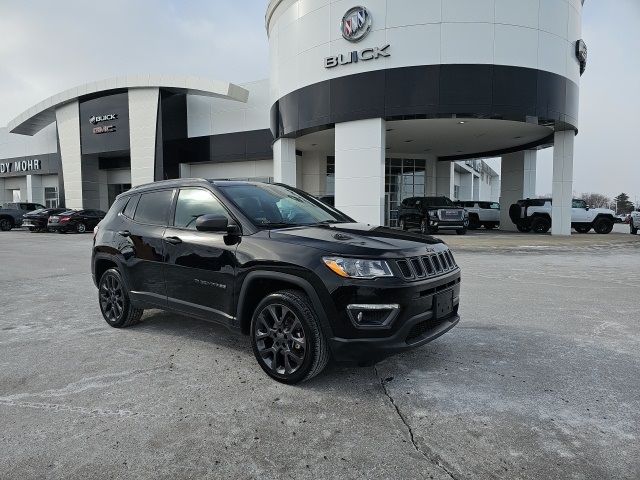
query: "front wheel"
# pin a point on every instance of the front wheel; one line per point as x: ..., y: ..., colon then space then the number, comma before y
x: 286, y: 337
x: 81, y: 228
x: 6, y: 224
x: 603, y: 226
x: 115, y: 303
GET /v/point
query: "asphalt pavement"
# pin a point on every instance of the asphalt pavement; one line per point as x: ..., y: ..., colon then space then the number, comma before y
x: 538, y: 381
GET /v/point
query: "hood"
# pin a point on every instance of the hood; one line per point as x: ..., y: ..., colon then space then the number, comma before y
x: 603, y: 210
x: 359, y: 239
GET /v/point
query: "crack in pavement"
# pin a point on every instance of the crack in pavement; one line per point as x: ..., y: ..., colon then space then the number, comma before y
x: 433, y: 458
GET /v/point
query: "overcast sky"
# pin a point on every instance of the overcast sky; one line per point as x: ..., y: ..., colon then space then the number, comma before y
x: 47, y: 47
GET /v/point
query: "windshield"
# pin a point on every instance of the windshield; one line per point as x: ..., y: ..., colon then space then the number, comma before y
x: 270, y: 206
x: 438, y: 202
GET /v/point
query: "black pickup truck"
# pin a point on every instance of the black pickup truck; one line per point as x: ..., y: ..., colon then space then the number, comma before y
x: 431, y: 214
x: 11, y: 214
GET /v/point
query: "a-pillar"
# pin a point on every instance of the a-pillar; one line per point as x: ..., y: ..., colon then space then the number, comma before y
x: 284, y: 161
x: 143, y: 115
x: 360, y: 148
x: 518, y: 181
x: 562, y: 186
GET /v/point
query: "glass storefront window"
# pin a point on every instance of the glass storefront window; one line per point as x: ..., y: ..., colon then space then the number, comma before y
x: 51, y: 197
x: 404, y: 178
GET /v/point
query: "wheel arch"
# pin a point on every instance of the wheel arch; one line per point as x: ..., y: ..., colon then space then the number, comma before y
x: 258, y: 284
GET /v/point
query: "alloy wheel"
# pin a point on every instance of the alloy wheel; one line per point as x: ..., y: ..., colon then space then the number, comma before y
x: 280, y: 339
x: 81, y: 228
x: 111, y: 298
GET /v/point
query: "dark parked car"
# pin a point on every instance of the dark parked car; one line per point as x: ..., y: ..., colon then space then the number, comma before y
x: 431, y: 214
x: 11, y: 214
x: 37, y: 220
x: 79, y: 221
x: 305, y: 281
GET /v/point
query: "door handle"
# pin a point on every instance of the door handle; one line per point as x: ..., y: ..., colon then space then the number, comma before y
x: 173, y: 240
x: 124, y: 233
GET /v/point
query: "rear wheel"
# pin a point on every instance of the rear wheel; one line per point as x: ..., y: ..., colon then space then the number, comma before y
x: 489, y: 226
x: 603, y: 226
x: 632, y: 229
x: 5, y: 224
x: 286, y: 337
x: 541, y: 225
x: 81, y: 228
x: 582, y: 229
x: 523, y: 228
x: 33, y: 229
x: 115, y: 304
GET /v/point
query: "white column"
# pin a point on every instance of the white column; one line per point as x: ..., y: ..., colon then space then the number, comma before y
x: 360, y: 159
x: 68, y: 123
x: 314, y: 173
x: 518, y: 181
x: 466, y: 186
x: 35, y: 191
x: 562, y: 190
x: 185, y: 170
x: 445, y: 179
x: 477, y: 188
x: 284, y: 161
x: 143, y: 116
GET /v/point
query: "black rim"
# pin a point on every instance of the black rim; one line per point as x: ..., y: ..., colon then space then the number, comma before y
x: 111, y: 298
x: 280, y: 339
x: 81, y: 227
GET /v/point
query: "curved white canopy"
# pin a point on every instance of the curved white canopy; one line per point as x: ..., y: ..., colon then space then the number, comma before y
x: 39, y: 116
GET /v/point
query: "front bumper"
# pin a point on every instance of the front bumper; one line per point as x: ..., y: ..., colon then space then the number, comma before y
x: 449, y: 225
x: 358, y: 350
x: 57, y: 226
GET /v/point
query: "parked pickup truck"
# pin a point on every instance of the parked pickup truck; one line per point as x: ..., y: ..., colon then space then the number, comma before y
x: 11, y: 214
x: 485, y: 214
x: 634, y: 222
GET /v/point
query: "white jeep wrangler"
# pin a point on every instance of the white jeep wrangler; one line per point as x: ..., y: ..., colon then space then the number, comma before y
x: 485, y: 214
x: 535, y: 214
x: 634, y: 222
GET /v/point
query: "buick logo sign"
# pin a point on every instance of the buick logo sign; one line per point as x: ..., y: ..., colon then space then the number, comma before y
x: 95, y: 119
x: 356, y: 24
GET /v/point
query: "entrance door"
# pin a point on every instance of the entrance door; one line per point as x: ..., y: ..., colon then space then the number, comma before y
x: 404, y: 178
x: 15, y: 195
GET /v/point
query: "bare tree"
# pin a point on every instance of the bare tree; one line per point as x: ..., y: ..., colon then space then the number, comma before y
x: 596, y: 200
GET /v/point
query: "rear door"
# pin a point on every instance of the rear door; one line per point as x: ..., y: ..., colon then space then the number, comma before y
x: 200, y: 266
x: 144, y: 250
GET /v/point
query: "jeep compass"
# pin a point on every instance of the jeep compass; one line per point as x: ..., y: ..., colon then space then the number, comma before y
x: 303, y: 280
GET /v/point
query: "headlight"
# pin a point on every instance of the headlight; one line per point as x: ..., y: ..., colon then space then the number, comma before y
x: 358, y: 268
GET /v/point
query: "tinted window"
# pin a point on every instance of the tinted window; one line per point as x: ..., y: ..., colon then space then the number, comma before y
x: 131, y: 206
x: 194, y: 202
x: 579, y: 204
x: 153, y: 208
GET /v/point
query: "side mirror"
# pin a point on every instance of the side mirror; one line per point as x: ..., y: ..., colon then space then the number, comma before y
x: 587, y: 208
x: 212, y: 223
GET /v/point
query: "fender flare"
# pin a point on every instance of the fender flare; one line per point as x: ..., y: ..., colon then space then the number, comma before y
x: 289, y: 278
x: 111, y: 258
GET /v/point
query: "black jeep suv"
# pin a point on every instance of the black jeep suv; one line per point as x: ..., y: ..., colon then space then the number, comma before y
x: 431, y: 214
x: 305, y: 281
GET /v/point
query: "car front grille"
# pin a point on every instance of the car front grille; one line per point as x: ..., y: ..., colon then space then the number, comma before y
x: 450, y: 215
x: 426, y: 266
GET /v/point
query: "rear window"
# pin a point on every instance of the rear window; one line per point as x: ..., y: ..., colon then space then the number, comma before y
x: 153, y: 208
x: 130, y: 209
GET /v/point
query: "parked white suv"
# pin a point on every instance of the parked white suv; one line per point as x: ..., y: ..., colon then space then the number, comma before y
x: 485, y: 214
x: 535, y: 214
x: 634, y: 222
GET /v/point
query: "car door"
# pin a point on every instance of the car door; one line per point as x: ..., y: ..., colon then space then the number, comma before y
x: 200, y: 266
x: 144, y: 249
x: 579, y: 212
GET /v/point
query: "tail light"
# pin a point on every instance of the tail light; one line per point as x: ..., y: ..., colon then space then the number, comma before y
x: 64, y: 219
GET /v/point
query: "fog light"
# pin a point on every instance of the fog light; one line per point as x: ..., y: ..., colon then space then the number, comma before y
x: 372, y: 315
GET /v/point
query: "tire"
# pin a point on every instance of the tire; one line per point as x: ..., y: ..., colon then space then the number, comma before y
x: 285, y: 321
x: 33, y: 229
x: 541, y: 225
x: 632, y: 230
x: 402, y: 225
x: 5, y: 224
x: 581, y: 229
x: 523, y: 228
x: 461, y: 231
x: 474, y: 222
x: 81, y: 228
x: 62, y: 231
x: 489, y: 226
x: 603, y: 226
x: 114, y: 301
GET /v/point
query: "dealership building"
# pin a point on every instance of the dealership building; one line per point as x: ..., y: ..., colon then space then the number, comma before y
x: 370, y: 102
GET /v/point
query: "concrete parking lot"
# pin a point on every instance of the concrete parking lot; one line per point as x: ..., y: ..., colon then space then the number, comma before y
x: 539, y: 380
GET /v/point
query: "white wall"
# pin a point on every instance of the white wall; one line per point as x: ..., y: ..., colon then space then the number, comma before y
x: 249, y: 169
x: 143, y: 114
x: 537, y: 34
x: 213, y: 116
